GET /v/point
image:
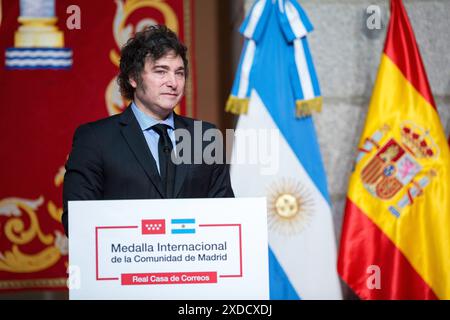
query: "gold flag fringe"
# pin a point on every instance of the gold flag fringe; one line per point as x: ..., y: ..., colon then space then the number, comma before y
x: 237, y: 105
x: 305, y: 108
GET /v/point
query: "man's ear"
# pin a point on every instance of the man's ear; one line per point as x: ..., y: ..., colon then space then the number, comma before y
x: 132, y: 82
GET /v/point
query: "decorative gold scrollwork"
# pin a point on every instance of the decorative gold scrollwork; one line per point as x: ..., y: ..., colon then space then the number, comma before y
x: 20, y: 233
x: 15, y: 228
x: 18, y: 262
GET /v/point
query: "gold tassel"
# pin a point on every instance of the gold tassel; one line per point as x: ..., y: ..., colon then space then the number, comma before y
x: 305, y: 108
x: 237, y: 105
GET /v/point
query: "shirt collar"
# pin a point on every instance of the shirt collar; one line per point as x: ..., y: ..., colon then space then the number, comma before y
x: 146, y: 122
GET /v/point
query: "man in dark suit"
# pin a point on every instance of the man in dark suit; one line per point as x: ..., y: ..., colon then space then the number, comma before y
x: 134, y: 155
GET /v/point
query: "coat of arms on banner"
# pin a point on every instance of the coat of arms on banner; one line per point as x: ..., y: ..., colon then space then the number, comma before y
x: 395, y: 170
x: 38, y: 44
x: 48, y: 104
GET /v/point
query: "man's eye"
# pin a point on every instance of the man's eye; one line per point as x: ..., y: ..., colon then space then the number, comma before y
x: 160, y: 71
x: 180, y: 74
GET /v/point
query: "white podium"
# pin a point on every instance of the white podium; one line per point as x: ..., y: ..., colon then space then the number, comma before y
x: 168, y: 249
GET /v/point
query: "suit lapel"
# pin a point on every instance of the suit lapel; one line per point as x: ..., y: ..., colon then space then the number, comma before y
x: 133, y: 135
x: 181, y: 169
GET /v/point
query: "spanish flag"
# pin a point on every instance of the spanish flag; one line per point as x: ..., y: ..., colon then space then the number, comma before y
x: 395, y: 240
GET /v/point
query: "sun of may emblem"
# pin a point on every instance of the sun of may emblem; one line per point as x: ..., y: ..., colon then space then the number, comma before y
x: 290, y: 206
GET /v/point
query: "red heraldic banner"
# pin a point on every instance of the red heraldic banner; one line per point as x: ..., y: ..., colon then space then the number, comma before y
x: 396, y: 237
x: 58, y: 66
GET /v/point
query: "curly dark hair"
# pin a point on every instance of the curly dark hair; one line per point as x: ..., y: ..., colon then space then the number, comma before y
x: 153, y: 42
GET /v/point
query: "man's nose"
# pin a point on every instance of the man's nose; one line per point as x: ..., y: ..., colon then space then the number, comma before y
x: 172, y: 80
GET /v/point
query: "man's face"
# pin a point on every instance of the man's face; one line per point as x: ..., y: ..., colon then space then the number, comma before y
x: 162, y: 85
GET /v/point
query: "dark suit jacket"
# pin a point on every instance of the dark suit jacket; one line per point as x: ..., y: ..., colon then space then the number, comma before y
x: 110, y: 159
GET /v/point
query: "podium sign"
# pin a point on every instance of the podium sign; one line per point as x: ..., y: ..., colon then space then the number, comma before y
x: 168, y: 249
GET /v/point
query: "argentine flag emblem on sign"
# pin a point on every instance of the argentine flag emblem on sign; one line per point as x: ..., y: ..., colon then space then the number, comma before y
x: 183, y: 226
x: 276, y: 90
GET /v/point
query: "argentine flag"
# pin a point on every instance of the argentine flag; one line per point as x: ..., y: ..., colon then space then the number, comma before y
x: 275, y: 90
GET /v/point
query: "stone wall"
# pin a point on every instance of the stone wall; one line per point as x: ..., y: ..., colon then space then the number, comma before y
x: 347, y: 55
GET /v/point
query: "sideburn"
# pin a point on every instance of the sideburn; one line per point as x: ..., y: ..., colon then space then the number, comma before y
x: 140, y: 83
